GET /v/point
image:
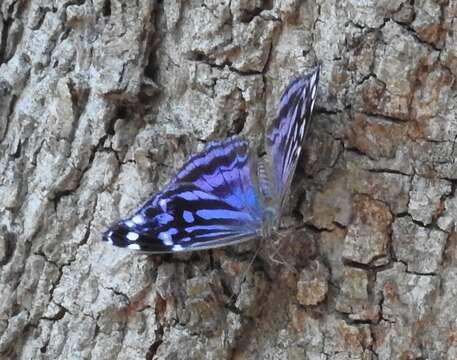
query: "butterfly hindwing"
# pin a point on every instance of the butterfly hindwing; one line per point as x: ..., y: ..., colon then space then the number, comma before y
x: 211, y: 202
x: 285, y: 137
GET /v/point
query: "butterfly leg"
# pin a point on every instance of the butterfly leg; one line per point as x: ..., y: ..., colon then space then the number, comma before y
x: 276, y: 256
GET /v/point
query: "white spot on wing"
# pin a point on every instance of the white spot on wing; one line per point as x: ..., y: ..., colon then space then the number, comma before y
x: 138, y: 219
x: 134, y: 246
x: 132, y: 236
x: 163, y: 205
x: 177, y: 248
x: 166, y: 238
x: 129, y: 223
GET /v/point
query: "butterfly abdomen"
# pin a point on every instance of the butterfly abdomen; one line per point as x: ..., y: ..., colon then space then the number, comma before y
x: 270, y: 217
x: 265, y: 183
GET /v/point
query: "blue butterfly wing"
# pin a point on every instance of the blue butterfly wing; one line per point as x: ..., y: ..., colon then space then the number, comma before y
x: 285, y: 137
x: 211, y: 202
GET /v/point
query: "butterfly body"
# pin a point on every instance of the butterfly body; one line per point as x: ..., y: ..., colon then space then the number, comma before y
x: 225, y: 194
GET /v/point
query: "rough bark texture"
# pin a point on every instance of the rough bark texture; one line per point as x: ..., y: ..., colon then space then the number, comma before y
x: 101, y: 101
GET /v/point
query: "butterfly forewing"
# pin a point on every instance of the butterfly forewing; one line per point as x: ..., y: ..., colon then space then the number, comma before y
x: 211, y: 202
x: 285, y: 137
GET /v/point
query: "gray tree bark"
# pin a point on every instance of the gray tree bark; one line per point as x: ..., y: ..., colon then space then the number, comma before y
x: 100, y: 103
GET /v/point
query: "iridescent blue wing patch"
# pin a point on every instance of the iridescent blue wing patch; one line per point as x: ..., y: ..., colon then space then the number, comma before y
x: 211, y: 202
x: 285, y: 137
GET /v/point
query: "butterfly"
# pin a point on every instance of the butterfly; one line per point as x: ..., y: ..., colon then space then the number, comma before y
x: 225, y: 194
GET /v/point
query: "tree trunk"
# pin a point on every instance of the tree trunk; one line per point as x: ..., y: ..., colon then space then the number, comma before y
x: 101, y: 102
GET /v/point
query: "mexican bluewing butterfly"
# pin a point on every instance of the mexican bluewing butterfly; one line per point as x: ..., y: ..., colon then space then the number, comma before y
x: 225, y: 194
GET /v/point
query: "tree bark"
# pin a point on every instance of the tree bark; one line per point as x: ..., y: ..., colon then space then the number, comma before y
x: 101, y: 102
